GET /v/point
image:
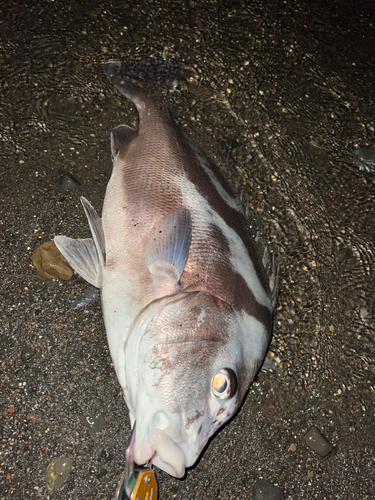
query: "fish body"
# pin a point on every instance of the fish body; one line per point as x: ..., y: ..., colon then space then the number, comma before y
x: 186, y: 300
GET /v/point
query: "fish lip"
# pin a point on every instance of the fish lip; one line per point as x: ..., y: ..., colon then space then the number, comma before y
x: 187, y: 341
x: 159, y: 447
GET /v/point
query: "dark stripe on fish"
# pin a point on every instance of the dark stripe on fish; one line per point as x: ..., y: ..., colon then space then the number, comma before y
x: 201, y: 180
x: 223, y: 281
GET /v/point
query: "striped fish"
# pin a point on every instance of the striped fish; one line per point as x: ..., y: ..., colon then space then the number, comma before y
x: 186, y: 300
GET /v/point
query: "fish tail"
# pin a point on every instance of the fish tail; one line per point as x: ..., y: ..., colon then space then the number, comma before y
x: 138, y: 79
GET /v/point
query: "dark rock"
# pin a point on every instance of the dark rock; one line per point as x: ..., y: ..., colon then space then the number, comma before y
x: 317, y: 442
x: 264, y: 490
x: 52, y: 285
x: 364, y: 159
x: 68, y: 183
x: 13, y: 384
x: 27, y: 353
x: 106, y: 457
x: 102, y: 473
x: 57, y: 472
x: 30, y: 129
x: 87, y: 297
x: 95, y: 423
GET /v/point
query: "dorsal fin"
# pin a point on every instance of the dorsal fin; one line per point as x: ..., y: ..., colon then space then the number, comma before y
x: 119, y: 136
x: 167, y: 247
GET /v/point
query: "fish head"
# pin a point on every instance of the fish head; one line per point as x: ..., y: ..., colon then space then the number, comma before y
x: 196, y: 358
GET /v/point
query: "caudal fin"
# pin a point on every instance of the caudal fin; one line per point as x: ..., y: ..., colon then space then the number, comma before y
x: 138, y: 79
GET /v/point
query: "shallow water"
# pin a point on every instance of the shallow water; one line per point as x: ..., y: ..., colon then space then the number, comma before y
x: 290, y: 83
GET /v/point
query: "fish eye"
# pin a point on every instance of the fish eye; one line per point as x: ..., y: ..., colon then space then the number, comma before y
x: 224, y: 384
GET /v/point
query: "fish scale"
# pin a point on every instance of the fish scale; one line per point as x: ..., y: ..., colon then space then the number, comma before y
x: 186, y: 300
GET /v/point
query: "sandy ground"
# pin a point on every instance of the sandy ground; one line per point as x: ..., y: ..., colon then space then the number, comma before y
x: 290, y: 84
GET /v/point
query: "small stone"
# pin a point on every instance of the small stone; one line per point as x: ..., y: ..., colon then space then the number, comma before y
x: 30, y: 129
x: 364, y: 159
x: 370, y: 376
x: 11, y: 410
x: 32, y: 418
x: 95, y: 423
x: 106, y: 457
x: 317, y: 442
x: 364, y: 312
x: 27, y: 353
x: 87, y: 297
x: 50, y: 263
x: 292, y: 447
x: 57, y: 472
x: 68, y: 183
x: 343, y: 255
x: 264, y: 490
x: 102, y: 473
x: 52, y: 285
x: 269, y: 364
x: 14, y: 257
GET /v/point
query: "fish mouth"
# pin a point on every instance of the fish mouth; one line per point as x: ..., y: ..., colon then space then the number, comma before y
x: 163, y: 452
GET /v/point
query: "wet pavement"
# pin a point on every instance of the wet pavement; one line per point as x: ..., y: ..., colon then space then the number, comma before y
x: 290, y: 85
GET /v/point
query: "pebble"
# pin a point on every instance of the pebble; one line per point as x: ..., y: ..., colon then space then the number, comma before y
x: 30, y: 129
x: 27, y: 353
x: 68, y: 183
x: 343, y: 255
x: 364, y: 159
x: 106, y: 457
x: 264, y: 490
x: 52, y: 285
x: 317, y: 442
x: 50, y: 263
x: 269, y: 364
x: 57, y: 472
x: 87, y: 297
x: 370, y: 376
x: 95, y: 423
x: 102, y: 473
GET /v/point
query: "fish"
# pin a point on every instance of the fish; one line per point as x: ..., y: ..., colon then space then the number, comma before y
x: 187, y: 301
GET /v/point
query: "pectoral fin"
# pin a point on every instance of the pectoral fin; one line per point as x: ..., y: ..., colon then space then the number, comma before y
x: 167, y: 248
x: 83, y: 257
